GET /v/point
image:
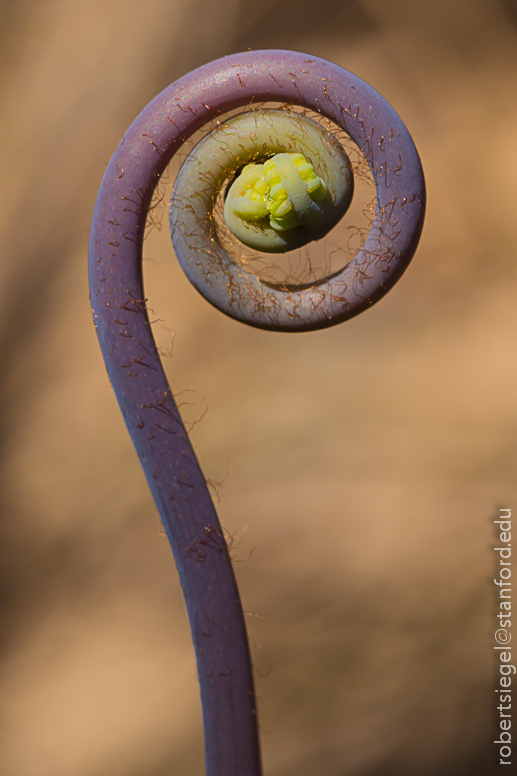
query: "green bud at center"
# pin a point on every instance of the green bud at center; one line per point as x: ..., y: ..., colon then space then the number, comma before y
x: 283, y: 190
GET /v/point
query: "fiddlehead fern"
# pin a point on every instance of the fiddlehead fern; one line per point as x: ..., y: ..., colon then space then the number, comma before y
x: 120, y: 315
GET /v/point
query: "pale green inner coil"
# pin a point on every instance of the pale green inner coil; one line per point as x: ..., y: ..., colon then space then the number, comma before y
x: 292, y: 181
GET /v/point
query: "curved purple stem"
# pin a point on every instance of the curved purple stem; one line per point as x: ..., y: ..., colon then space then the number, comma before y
x: 134, y: 367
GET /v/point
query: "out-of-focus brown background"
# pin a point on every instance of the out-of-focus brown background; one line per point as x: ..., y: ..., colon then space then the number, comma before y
x: 367, y: 461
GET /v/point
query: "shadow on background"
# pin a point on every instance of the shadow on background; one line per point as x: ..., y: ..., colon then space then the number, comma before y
x: 367, y: 461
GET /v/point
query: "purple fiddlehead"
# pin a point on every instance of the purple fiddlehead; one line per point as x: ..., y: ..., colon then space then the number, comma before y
x: 133, y: 364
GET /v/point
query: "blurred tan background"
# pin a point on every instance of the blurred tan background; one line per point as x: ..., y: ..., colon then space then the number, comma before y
x: 367, y: 461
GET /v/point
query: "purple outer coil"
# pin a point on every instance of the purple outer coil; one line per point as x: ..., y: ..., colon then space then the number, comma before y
x: 133, y: 363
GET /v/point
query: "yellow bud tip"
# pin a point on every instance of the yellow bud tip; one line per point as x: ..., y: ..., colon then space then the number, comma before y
x: 281, y: 188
